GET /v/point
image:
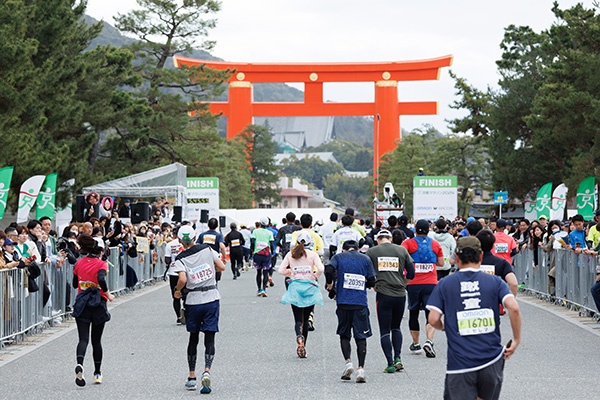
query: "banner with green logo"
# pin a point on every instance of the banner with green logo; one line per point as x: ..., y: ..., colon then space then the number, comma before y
x: 529, y: 207
x: 585, y: 198
x: 46, y: 200
x: 27, y: 196
x: 5, y: 179
x: 543, y: 202
x: 559, y: 202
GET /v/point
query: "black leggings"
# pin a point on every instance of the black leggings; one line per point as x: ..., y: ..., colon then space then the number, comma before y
x: 301, y: 320
x: 237, y: 262
x: 390, y: 311
x: 413, y: 320
x: 173, y: 279
x: 209, y: 349
x: 262, y: 275
x: 83, y: 330
x: 361, y: 349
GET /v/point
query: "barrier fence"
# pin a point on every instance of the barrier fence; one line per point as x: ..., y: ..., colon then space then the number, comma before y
x: 574, y: 276
x: 23, y: 313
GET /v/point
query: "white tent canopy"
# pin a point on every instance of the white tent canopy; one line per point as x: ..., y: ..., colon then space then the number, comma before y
x: 169, y: 180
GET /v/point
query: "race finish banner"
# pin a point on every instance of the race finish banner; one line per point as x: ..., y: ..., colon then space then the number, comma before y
x: 202, y: 194
x: 435, y: 196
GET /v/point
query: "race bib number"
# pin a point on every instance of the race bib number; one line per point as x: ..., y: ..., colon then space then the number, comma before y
x: 488, y: 269
x: 501, y: 248
x: 235, y: 242
x: 354, y: 281
x: 201, y: 274
x: 423, y: 268
x: 390, y: 264
x: 288, y: 238
x: 209, y: 239
x: 476, y: 322
x: 302, y: 272
x: 261, y: 245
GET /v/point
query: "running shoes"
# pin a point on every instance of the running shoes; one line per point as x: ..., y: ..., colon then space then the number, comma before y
x: 390, y: 369
x: 190, y: 384
x: 428, y: 348
x: 98, y: 378
x: 360, y: 376
x: 271, y: 283
x: 415, y: 348
x: 79, y: 380
x: 398, y: 364
x: 310, y: 324
x: 348, y: 370
x: 205, y: 383
x: 300, y: 349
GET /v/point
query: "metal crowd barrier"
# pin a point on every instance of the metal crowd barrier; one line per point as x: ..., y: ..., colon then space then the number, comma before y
x: 574, y: 276
x: 23, y: 313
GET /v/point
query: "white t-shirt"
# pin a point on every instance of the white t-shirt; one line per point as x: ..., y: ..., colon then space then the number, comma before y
x: 172, y: 249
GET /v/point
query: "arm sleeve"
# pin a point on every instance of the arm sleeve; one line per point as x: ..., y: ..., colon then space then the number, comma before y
x: 330, y: 270
x: 75, y: 281
x: 102, y: 280
x: 409, y: 266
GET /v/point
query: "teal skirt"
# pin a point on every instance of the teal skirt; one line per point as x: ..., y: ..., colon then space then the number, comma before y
x: 303, y: 293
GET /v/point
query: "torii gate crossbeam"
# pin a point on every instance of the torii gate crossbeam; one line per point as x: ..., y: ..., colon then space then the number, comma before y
x: 386, y: 110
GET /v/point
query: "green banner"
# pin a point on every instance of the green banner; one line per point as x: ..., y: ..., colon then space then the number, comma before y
x: 46, y: 200
x: 585, y: 198
x: 5, y: 179
x: 544, y: 201
x: 435, y: 181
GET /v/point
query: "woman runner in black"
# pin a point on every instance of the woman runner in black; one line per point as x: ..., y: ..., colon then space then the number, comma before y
x: 89, y: 275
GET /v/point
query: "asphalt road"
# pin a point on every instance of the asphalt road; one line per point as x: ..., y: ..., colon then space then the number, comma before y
x: 145, y: 356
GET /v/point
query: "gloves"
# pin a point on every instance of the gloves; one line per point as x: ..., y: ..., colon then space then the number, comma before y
x: 332, y: 293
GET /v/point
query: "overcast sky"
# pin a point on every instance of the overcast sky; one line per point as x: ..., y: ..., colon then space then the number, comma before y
x: 376, y: 30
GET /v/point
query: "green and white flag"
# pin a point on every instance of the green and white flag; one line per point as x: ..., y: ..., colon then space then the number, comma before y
x: 5, y: 179
x: 27, y: 196
x: 46, y: 199
x: 529, y: 207
x: 544, y: 201
x: 585, y: 198
x: 559, y: 202
x: 64, y: 215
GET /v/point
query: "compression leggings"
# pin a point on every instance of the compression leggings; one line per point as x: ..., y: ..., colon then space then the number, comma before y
x: 209, y: 349
x: 301, y: 316
x: 390, y: 311
x: 83, y: 330
x: 262, y: 275
x: 237, y: 262
x: 413, y: 320
x: 176, y: 302
x: 361, y: 349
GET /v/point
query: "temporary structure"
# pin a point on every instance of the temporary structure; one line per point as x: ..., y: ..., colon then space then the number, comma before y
x: 167, y: 181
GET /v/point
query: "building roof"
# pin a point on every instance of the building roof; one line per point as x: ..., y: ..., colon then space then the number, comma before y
x: 294, y: 193
x: 299, y: 132
x: 324, y: 156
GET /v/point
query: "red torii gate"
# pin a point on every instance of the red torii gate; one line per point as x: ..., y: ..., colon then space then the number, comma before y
x: 386, y: 110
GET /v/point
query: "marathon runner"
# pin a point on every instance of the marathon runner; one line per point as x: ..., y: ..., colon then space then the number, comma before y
x: 327, y: 231
x: 235, y: 241
x: 89, y: 276
x: 391, y: 262
x: 197, y: 267
x: 505, y: 246
x: 262, y: 246
x: 497, y: 266
x: 284, y: 235
x: 469, y: 302
x: 345, y: 233
x: 427, y: 255
x: 306, y: 223
x: 302, y: 268
x: 172, y: 249
x: 274, y: 231
x: 246, y: 248
x: 352, y: 273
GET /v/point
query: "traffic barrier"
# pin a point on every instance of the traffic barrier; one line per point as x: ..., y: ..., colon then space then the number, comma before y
x: 574, y: 276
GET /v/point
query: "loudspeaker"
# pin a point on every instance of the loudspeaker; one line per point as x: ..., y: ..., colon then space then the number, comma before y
x: 222, y: 221
x: 177, y: 213
x: 140, y: 211
x: 79, y: 208
x: 203, y: 216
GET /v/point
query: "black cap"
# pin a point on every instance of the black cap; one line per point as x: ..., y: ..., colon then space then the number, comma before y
x: 404, y: 219
x: 422, y: 227
x: 501, y: 223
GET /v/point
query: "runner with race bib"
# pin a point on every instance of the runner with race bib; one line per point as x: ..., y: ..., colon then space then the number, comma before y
x: 427, y: 254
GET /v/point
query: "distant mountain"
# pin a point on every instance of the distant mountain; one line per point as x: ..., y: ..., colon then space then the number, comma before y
x: 355, y: 129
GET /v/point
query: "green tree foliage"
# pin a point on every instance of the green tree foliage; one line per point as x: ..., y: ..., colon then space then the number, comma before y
x: 311, y: 169
x: 259, y: 147
x: 349, y: 191
x: 353, y: 156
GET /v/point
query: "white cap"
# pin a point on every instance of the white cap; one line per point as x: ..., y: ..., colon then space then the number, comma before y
x: 264, y: 221
x: 186, y: 233
x: 305, y: 237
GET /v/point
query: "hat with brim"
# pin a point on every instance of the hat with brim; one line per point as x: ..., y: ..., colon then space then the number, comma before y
x: 8, y: 242
x: 383, y: 233
x: 468, y: 242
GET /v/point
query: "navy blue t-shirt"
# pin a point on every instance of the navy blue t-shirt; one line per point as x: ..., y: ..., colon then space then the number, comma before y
x: 353, y: 270
x: 469, y: 300
x: 211, y: 238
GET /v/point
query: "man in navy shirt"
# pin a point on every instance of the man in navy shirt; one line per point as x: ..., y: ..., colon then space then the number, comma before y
x: 353, y: 273
x: 469, y: 301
